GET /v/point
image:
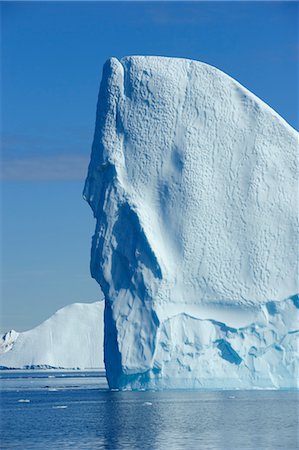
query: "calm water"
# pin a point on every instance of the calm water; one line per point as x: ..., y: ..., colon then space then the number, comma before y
x: 46, y: 410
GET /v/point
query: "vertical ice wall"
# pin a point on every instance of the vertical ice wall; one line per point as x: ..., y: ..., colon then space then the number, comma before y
x: 192, y: 181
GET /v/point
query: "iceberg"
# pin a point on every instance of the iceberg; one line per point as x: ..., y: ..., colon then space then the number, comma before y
x: 193, y: 185
x: 70, y: 339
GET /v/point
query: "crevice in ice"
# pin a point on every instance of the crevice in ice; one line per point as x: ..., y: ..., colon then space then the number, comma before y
x: 132, y: 251
x: 125, y: 62
x: 295, y: 300
x: 271, y: 307
x: 227, y: 352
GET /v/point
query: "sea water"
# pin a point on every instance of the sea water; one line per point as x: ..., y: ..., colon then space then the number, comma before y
x: 75, y: 410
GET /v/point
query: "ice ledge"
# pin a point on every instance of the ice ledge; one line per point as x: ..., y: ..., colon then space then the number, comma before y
x: 206, y: 354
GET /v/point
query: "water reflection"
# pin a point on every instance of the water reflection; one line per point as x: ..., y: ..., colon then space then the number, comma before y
x: 200, y: 420
x: 78, y: 412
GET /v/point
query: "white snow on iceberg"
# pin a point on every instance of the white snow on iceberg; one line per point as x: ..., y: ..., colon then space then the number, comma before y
x: 71, y: 339
x: 193, y: 183
x: 206, y: 353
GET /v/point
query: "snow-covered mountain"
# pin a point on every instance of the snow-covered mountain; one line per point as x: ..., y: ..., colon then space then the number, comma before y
x: 193, y: 183
x: 71, y: 338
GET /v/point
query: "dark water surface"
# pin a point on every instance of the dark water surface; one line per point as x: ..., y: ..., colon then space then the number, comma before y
x: 76, y: 411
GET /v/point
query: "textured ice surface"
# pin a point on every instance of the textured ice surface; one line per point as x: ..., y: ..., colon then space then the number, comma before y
x: 192, y: 181
x: 71, y: 338
x: 7, y: 341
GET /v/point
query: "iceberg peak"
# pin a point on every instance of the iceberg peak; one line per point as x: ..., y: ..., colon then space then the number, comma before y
x: 192, y: 182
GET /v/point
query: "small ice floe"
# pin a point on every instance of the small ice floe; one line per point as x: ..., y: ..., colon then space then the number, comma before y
x: 52, y: 389
x: 59, y: 407
x: 231, y: 396
x: 147, y: 403
x: 114, y: 390
x: 23, y: 400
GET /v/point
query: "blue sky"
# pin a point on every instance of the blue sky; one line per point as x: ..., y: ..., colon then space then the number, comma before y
x: 52, y: 57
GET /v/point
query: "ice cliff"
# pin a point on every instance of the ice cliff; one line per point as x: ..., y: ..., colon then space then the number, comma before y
x: 72, y: 338
x: 193, y: 185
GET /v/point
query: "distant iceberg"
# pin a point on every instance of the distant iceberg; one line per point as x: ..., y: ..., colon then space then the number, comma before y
x: 70, y: 339
x: 193, y: 184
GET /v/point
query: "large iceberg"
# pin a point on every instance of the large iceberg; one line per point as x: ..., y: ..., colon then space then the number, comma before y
x: 193, y: 185
x: 70, y: 339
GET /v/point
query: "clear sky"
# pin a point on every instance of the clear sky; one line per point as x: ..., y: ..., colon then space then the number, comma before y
x: 52, y: 57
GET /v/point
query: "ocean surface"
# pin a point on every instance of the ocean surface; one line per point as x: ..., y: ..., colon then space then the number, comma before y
x: 75, y: 410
